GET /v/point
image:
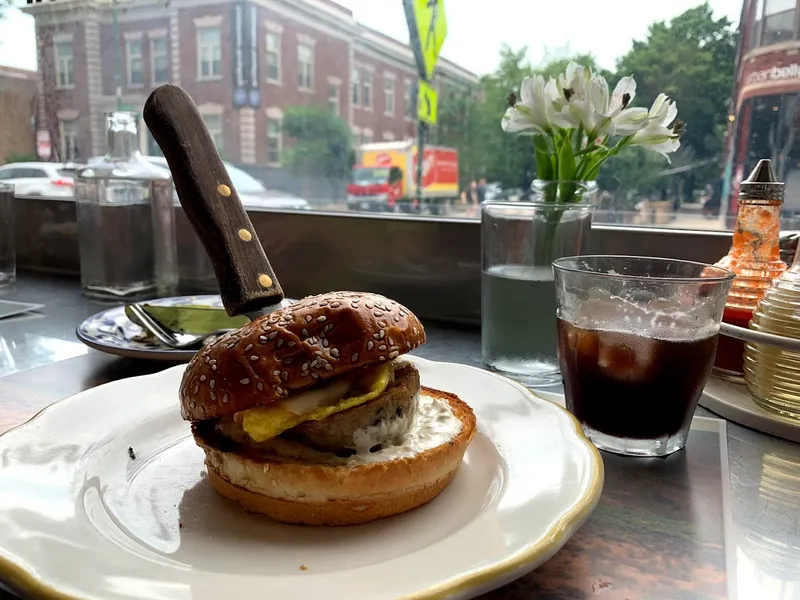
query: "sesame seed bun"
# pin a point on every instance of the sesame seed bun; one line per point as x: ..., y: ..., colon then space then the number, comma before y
x: 313, y: 340
x: 313, y: 492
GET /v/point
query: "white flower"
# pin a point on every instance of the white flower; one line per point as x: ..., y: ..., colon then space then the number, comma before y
x: 569, y: 92
x: 604, y: 115
x: 574, y: 83
x: 626, y: 120
x: 629, y: 121
x: 660, y: 134
x: 664, y: 110
x: 533, y: 110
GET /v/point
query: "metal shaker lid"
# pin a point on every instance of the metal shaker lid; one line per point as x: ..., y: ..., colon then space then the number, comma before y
x: 761, y: 185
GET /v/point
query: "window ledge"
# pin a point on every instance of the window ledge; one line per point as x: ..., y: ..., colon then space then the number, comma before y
x: 277, y: 82
x: 305, y: 90
x: 135, y: 86
x: 210, y: 78
x: 65, y: 87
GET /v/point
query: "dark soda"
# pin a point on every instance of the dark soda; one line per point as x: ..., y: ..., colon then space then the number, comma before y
x: 632, y: 386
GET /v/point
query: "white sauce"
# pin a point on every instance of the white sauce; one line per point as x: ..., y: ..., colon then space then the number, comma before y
x: 435, y: 424
x: 391, y: 429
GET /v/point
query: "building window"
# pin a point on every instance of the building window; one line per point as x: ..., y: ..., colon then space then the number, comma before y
x: 366, y: 137
x: 388, y: 96
x: 209, y: 53
x: 355, y: 85
x: 408, y: 105
x: 69, y: 140
x: 274, y: 142
x: 65, y: 65
x: 305, y: 67
x: 366, y: 89
x: 214, y: 126
x: 159, y: 58
x: 778, y: 20
x: 755, y: 32
x: 273, y: 57
x: 334, y: 93
x: 135, y: 65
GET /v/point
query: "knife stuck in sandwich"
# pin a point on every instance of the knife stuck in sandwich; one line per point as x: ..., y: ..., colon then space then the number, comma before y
x: 248, y: 285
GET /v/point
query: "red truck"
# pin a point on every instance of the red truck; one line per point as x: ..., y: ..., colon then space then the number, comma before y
x: 385, y: 178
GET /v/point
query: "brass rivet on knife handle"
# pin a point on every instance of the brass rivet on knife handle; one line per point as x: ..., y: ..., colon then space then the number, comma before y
x: 245, y: 276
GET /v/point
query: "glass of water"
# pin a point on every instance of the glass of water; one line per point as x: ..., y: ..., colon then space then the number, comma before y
x: 8, y: 262
x: 520, y: 240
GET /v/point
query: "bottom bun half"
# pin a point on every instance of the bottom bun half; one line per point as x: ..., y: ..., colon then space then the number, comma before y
x: 315, y: 493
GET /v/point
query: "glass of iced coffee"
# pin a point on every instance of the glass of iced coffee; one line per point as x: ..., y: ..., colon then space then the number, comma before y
x: 636, y: 343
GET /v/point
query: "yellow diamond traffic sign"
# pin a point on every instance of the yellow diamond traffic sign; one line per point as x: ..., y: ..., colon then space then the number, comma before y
x: 427, y: 27
x: 427, y: 101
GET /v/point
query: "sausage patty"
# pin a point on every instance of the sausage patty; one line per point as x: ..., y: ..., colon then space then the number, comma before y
x: 377, y: 423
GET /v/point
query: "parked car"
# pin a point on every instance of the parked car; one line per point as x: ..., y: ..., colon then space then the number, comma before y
x: 48, y: 179
x: 252, y: 192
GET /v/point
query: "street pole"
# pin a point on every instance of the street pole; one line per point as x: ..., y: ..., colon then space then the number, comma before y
x: 420, y: 158
x: 117, y: 59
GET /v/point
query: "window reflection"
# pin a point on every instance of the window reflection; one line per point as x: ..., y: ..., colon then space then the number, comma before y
x: 343, y: 58
x: 779, y: 21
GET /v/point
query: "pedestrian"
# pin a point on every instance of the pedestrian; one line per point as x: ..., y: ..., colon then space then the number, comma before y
x: 473, y: 199
x: 481, y: 190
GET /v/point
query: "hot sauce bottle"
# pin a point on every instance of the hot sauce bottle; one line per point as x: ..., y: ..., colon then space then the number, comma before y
x: 754, y: 258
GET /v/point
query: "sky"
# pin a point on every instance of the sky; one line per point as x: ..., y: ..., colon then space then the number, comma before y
x: 477, y: 30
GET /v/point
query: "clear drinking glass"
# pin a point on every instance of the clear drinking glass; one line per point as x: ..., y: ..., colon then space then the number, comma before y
x: 518, y: 312
x: 636, y: 343
x: 8, y: 259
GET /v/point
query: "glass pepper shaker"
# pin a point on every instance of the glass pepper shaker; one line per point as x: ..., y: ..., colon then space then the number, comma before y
x: 754, y: 258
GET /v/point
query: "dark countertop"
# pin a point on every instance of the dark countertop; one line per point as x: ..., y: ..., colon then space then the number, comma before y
x: 763, y: 519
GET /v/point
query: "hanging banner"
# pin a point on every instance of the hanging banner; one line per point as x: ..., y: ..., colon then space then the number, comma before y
x: 244, y: 50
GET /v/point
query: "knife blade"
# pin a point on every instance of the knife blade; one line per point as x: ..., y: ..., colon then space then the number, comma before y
x: 248, y: 285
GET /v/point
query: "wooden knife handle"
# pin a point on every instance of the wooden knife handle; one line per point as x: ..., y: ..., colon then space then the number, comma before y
x: 245, y: 276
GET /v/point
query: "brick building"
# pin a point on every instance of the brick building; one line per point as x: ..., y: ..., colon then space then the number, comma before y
x: 17, y: 111
x: 243, y: 61
x: 765, y: 117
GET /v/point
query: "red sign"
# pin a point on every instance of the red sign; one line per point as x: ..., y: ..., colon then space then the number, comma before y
x: 43, y: 147
x: 383, y: 160
x: 439, y: 166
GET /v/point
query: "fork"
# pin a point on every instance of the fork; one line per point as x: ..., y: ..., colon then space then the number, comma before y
x: 179, y: 341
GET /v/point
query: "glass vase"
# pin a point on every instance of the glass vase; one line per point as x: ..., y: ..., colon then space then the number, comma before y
x: 520, y: 240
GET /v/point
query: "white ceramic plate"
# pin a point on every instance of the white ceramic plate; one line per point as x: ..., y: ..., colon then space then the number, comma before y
x: 80, y: 519
x: 732, y: 401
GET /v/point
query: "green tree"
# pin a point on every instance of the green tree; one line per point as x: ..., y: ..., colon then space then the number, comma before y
x: 13, y: 157
x: 690, y: 58
x: 324, y: 144
x: 459, y: 126
x: 634, y: 172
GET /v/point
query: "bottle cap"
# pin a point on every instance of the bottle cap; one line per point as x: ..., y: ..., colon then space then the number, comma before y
x: 761, y: 185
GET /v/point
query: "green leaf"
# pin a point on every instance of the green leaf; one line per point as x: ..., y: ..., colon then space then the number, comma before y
x: 566, y: 161
x: 544, y: 164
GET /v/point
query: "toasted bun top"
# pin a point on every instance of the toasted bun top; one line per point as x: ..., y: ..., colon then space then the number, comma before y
x: 317, y: 338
